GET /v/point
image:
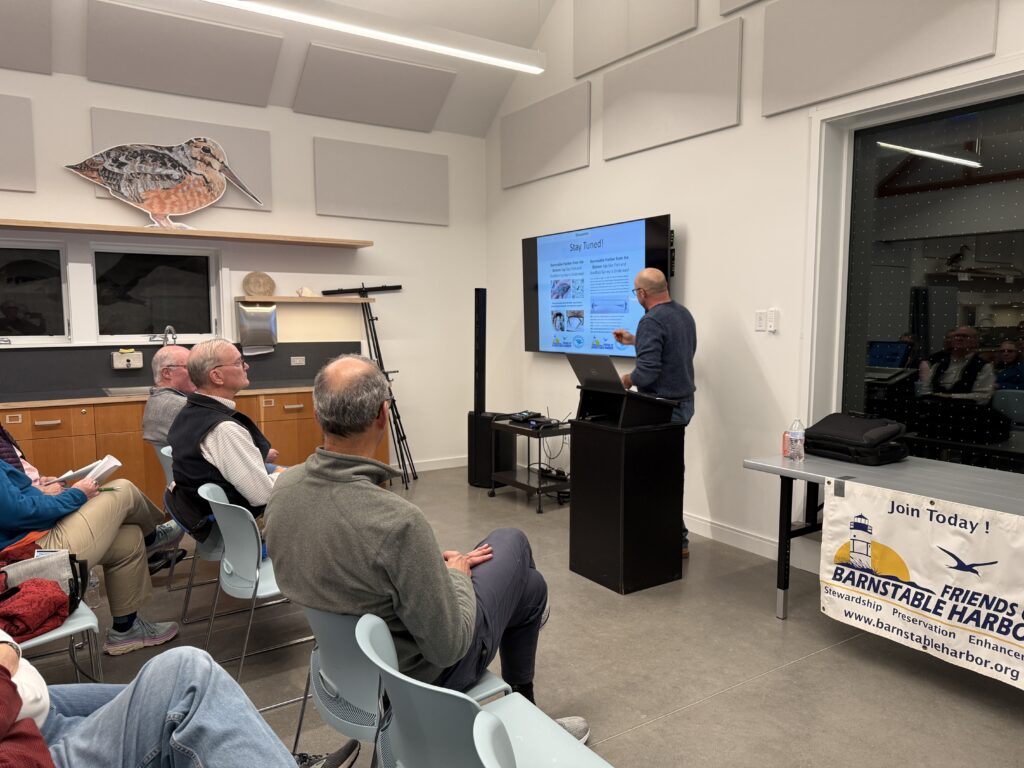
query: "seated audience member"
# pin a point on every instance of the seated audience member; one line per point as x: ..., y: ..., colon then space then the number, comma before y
x: 1009, y: 366
x: 171, y: 386
x: 214, y: 443
x: 171, y: 714
x: 374, y: 552
x: 115, y: 528
x: 961, y: 374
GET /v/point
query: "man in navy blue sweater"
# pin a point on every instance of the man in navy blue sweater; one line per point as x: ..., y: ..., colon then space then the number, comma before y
x: 666, y: 340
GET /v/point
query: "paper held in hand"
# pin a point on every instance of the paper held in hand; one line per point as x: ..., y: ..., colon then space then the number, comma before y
x: 98, y: 471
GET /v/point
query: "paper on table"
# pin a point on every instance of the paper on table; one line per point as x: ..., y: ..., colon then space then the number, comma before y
x: 98, y: 471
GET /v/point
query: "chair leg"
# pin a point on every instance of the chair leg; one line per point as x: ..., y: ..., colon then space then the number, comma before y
x: 73, y: 652
x: 248, y: 629
x: 188, y: 590
x: 302, y: 713
x: 93, y: 639
x: 213, y: 615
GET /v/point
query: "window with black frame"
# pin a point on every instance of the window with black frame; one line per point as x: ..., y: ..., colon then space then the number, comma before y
x: 142, y: 293
x: 32, y: 295
x: 935, y: 289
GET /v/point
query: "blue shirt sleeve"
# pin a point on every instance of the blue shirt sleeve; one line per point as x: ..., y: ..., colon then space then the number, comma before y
x: 24, y: 508
x: 650, y: 342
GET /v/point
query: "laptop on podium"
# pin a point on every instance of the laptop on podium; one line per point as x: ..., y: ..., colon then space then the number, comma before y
x: 596, y: 372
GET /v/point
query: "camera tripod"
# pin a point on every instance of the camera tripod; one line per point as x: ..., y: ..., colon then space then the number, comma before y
x: 398, y: 438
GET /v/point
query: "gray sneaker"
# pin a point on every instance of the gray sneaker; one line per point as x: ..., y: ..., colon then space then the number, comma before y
x: 167, y: 537
x: 577, y: 727
x: 141, y: 634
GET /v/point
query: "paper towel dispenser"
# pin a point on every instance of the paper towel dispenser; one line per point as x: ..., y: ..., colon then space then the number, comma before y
x: 257, y: 327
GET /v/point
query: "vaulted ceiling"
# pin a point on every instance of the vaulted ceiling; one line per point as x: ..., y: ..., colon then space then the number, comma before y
x: 198, y: 49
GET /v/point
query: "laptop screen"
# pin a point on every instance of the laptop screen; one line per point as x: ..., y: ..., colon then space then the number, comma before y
x: 888, y: 354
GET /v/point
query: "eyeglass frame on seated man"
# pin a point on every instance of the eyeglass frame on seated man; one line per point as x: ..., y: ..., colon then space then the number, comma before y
x: 239, y: 363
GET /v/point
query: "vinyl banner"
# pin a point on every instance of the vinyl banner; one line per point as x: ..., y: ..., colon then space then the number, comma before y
x: 941, y: 577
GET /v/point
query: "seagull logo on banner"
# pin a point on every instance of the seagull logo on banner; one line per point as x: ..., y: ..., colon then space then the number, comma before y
x: 960, y: 565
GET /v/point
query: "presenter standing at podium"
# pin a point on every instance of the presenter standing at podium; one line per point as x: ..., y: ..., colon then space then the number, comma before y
x: 665, y: 340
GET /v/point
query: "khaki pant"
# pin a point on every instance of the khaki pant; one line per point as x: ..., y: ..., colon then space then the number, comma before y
x: 107, y: 530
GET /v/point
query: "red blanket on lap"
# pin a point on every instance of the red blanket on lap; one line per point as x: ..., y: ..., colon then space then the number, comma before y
x: 39, y: 606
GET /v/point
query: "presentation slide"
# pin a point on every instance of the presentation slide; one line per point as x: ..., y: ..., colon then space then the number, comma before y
x: 585, y: 284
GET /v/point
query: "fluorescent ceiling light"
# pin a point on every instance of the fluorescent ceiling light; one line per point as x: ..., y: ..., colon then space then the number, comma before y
x: 444, y: 42
x: 932, y: 155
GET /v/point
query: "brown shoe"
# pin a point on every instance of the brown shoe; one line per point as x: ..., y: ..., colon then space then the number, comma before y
x: 686, y: 553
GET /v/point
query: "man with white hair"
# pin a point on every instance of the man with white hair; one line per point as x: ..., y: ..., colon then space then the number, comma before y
x: 171, y: 385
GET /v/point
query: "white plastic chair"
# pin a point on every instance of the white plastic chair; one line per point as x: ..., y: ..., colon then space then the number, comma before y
x: 345, y: 685
x: 244, y: 574
x: 84, y: 621
x: 211, y: 550
x: 1011, y: 403
x: 429, y: 726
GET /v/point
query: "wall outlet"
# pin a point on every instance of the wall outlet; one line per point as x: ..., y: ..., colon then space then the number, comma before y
x: 298, y: 361
x: 125, y: 361
x: 773, y: 320
x: 760, y: 320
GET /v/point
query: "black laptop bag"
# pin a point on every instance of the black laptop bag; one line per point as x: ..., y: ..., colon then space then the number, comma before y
x: 857, y: 439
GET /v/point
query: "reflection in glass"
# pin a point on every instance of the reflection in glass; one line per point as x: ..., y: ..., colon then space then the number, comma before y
x: 31, y: 297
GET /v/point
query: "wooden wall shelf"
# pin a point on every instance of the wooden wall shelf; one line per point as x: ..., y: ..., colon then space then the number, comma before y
x: 188, y: 234
x: 305, y: 299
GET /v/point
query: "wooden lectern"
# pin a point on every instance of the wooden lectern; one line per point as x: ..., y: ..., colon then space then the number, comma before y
x: 625, y: 522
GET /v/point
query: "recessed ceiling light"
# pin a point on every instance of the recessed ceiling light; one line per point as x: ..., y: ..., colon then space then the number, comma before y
x: 434, y: 40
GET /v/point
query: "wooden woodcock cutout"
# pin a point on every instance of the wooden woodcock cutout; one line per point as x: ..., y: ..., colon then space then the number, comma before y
x: 163, y: 181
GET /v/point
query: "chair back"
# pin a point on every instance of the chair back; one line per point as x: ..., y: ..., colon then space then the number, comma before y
x: 344, y: 683
x: 243, y: 548
x: 427, y: 726
x: 1011, y: 403
x: 163, y: 452
x: 493, y: 746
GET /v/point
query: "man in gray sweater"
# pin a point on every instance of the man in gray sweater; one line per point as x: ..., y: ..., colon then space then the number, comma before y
x: 342, y: 543
x: 171, y: 386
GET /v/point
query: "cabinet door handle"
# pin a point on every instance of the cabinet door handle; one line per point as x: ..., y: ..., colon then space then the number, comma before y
x: 297, y: 407
x: 50, y: 423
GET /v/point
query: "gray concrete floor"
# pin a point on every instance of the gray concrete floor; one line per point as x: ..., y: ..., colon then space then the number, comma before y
x: 697, y: 672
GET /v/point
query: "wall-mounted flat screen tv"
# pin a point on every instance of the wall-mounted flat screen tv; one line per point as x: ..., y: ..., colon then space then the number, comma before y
x: 578, y: 285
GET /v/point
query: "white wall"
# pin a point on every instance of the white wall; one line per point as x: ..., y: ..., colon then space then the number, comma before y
x: 742, y: 202
x: 425, y: 330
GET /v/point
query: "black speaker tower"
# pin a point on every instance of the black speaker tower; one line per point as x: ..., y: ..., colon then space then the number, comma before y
x: 487, y: 450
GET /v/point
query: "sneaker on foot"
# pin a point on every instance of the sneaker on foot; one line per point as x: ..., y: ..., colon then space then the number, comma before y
x: 577, y: 727
x: 167, y: 537
x: 160, y: 560
x: 344, y: 757
x: 141, y: 634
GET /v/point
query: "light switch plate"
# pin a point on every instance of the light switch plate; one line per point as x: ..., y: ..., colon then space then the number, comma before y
x: 298, y: 361
x: 760, y: 320
x: 773, y: 320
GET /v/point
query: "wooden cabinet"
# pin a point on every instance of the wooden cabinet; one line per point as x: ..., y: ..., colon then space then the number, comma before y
x: 58, y: 438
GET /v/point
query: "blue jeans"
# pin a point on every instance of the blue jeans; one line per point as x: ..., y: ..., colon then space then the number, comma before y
x: 682, y: 413
x: 181, y: 711
x: 510, y: 598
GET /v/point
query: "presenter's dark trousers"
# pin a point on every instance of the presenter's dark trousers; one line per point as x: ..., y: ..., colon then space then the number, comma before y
x: 510, y: 598
x: 682, y: 414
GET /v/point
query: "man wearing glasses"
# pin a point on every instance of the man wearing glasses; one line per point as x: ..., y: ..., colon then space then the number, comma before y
x: 214, y: 443
x: 666, y: 340
x: 171, y: 385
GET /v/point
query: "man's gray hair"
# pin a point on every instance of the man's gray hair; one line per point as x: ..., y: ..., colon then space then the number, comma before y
x: 203, y: 358
x: 351, y: 410
x: 160, y: 359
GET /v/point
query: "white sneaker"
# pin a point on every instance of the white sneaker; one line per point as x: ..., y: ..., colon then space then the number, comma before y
x: 167, y: 537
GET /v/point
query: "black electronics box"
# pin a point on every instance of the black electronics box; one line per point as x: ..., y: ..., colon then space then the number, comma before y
x: 488, y: 449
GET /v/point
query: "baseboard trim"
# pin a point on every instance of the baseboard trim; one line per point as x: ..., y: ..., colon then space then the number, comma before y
x: 804, y: 553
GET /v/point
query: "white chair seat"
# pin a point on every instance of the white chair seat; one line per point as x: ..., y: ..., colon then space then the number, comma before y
x: 536, y: 739
x: 82, y: 620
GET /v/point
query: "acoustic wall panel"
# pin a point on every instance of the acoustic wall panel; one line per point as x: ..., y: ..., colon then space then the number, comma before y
x: 686, y: 89
x: 140, y: 48
x: 608, y: 30
x: 546, y: 138
x: 247, y: 149
x: 25, y: 36
x: 728, y: 6
x: 819, y: 49
x: 17, y: 147
x: 366, y: 181
x: 334, y: 83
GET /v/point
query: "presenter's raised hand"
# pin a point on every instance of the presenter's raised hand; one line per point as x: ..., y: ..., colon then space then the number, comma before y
x: 624, y: 337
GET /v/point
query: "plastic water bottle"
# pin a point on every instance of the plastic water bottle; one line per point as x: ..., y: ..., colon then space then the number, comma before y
x: 92, y: 592
x: 794, y: 447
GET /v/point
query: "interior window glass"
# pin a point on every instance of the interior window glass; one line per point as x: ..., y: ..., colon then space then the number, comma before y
x: 935, y: 291
x: 32, y: 299
x: 142, y: 293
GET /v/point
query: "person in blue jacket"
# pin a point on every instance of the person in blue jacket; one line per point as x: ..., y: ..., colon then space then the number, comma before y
x: 114, y: 527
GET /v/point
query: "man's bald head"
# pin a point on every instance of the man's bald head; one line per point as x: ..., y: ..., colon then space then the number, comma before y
x: 347, y: 395
x: 651, y: 280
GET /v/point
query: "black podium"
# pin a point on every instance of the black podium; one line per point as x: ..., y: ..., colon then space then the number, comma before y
x: 625, y: 522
